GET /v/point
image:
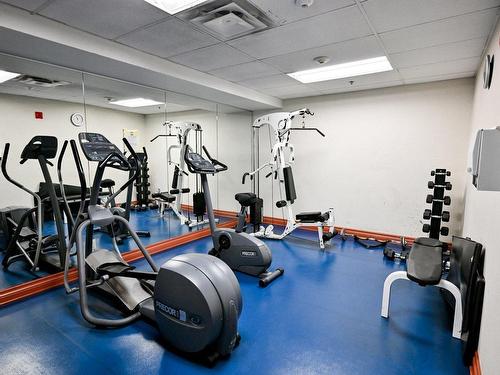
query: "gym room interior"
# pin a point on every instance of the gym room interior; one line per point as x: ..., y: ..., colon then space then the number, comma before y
x: 249, y: 187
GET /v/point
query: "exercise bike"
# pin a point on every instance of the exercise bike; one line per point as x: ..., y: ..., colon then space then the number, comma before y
x: 194, y: 299
x: 242, y: 252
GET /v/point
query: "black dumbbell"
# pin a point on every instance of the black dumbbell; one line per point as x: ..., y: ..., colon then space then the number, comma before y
x: 427, y: 214
x: 426, y: 228
x: 389, y: 253
x: 444, y: 231
x: 429, y: 198
x: 448, y: 186
x: 445, y: 216
x: 447, y: 201
x: 430, y: 185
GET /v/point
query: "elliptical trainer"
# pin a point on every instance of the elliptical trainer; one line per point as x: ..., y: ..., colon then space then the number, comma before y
x: 242, y: 252
x: 194, y: 299
x: 117, y: 230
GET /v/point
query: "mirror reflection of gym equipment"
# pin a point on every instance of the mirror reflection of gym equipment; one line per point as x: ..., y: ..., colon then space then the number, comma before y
x: 172, y: 199
x: 162, y: 163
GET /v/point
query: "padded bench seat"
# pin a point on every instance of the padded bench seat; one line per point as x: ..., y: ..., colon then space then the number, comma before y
x: 107, y: 183
x: 246, y: 199
x: 312, y: 217
x: 425, y: 262
x: 166, y: 197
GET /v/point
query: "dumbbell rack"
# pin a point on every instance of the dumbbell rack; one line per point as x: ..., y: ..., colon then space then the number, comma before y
x: 142, y: 184
x: 436, y: 214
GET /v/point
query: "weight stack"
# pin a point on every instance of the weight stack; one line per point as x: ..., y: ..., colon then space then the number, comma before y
x: 438, y: 200
x: 142, y: 182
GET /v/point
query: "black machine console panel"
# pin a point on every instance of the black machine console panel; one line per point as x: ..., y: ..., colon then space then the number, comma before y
x: 97, y: 147
x: 40, y: 145
x: 199, y: 164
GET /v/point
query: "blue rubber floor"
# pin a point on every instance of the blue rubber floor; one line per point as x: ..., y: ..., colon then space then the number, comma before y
x: 161, y: 228
x: 321, y: 317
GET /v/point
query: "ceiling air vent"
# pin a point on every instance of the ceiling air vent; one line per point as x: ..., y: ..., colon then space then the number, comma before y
x: 39, y: 82
x: 228, y: 19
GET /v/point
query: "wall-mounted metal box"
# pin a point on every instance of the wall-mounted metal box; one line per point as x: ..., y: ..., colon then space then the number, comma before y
x: 486, y: 160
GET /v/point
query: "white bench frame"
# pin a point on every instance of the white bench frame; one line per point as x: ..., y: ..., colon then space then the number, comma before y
x: 444, y: 284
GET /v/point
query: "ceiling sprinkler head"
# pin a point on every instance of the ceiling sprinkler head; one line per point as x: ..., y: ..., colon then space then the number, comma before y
x: 304, y: 3
x: 321, y: 59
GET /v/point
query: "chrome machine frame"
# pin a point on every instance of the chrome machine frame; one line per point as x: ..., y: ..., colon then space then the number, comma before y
x: 180, y: 130
x: 281, y: 125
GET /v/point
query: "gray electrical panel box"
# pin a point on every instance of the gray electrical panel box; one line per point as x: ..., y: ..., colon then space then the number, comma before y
x: 486, y: 160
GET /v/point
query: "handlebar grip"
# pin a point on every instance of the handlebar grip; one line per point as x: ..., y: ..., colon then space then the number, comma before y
x: 244, y: 178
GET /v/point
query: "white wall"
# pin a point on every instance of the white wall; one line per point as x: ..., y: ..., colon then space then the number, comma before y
x: 18, y: 125
x: 380, y: 145
x: 482, y: 217
x: 227, y: 138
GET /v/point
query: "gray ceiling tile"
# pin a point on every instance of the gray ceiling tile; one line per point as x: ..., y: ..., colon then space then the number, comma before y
x: 211, y: 58
x: 351, y: 88
x: 108, y: 19
x: 168, y: 38
x: 288, y: 11
x: 441, y: 53
x: 388, y: 15
x: 448, y: 67
x: 368, y: 79
x: 30, y: 5
x: 279, y: 80
x: 253, y: 69
x: 441, y: 77
x: 344, y: 24
x: 469, y: 26
x: 338, y: 53
x: 292, y: 91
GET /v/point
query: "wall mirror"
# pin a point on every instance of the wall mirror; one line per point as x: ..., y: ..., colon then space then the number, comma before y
x: 164, y: 201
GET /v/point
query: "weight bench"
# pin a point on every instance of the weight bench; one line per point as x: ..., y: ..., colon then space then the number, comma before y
x: 163, y: 200
x: 425, y: 267
x: 164, y: 196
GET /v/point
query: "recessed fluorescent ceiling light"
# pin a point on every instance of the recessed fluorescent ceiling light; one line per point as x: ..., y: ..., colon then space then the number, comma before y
x: 5, y: 76
x: 136, y: 102
x: 350, y: 69
x: 174, y: 6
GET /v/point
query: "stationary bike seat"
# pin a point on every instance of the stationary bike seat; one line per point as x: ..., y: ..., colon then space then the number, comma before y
x: 246, y: 199
x: 107, y: 183
x: 425, y: 261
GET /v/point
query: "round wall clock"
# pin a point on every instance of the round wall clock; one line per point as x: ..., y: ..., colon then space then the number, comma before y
x: 489, y: 64
x: 77, y: 119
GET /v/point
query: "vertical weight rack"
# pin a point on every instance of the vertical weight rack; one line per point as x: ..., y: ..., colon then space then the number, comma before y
x: 142, y: 182
x: 436, y: 214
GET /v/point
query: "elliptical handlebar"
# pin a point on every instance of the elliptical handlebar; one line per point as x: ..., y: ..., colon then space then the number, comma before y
x: 197, y: 164
x: 134, y: 165
x: 222, y: 167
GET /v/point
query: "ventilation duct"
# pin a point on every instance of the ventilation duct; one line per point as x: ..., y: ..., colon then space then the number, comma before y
x: 228, y: 19
x: 39, y: 82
